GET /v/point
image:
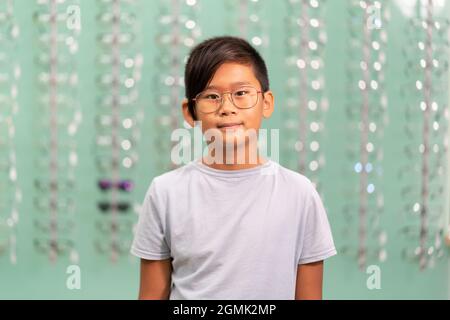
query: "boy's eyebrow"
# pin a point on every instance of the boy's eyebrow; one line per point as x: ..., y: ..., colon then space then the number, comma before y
x: 232, y: 84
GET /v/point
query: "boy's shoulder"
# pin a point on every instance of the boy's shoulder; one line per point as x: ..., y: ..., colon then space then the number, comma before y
x: 293, y: 177
x: 171, y: 177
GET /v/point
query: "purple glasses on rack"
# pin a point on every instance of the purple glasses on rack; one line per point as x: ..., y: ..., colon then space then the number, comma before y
x: 124, y: 185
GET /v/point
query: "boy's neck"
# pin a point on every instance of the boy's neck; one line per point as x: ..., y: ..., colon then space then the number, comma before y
x: 233, y: 163
x: 233, y: 166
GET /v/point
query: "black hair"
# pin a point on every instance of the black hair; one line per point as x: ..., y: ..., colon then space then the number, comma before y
x: 207, y: 56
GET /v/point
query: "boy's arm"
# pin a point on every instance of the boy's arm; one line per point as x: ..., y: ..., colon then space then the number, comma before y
x: 309, y: 281
x: 155, y: 279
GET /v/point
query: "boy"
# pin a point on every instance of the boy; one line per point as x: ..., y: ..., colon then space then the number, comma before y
x: 219, y: 228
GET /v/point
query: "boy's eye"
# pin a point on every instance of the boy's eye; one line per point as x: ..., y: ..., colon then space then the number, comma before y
x: 211, y: 96
x: 240, y: 93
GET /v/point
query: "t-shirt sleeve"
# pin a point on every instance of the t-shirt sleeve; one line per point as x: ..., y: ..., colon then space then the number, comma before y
x: 317, y: 241
x: 149, y: 239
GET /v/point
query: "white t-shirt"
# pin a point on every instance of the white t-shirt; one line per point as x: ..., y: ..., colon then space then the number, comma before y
x: 233, y: 234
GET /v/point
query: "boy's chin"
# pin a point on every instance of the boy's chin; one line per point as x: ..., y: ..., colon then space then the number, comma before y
x: 234, y: 141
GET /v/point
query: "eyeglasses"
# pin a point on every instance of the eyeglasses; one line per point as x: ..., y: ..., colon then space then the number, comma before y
x: 48, y: 225
x: 65, y: 102
x: 210, y: 101
x: 124, y: 61
x: 376, y: 253
x: 68, y: 162
x: 10, y: 35
x: 104, y: 142
x: 121, y: 227
x: 121, y: 206
x: 61, y: 205
x: 64, y: 61
x: 109, y: 3
x: 105, y: 122
x: 425, y: 255
x: 62, y: 184
x: 6, y: 11
x: 5, y: 231
x: 59, y: 246
x: 125, y: 160
x: 126, y: 100
x: 113, y: 246
x: 8, y: 105
x: 109, y: 39
x: 61, y: 41
x: 165, y: 40
x: 438, y: 25
x: 123, y: 185
x: 125, y: 18
x: 45, y: 17
x: 126, y: 81
x: 61, y: 121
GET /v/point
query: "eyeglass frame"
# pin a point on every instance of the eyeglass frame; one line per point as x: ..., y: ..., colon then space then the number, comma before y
x: 232, y: 101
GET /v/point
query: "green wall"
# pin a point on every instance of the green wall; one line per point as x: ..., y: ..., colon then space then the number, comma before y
x: 35, y: 277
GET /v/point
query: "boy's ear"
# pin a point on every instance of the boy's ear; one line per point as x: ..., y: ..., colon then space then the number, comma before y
x: 186, y: 114
x: 268, y: 104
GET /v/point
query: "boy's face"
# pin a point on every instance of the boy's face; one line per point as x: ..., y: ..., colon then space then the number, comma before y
x: 224, y: 80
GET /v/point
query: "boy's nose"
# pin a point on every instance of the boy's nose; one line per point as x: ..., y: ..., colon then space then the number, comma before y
x: 227, y: 104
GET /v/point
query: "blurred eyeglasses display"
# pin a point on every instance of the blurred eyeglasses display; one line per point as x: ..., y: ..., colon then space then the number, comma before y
x: 10, y: 192
x: 426, y: 130
x: 117, y: 124
x: 57, y: 116
x: 306, y: 101
x: 177, y: 32
x: 244, y: 19
x: 363, y: 207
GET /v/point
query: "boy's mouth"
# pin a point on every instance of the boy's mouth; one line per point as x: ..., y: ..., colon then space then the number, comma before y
x: 229, y: 125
